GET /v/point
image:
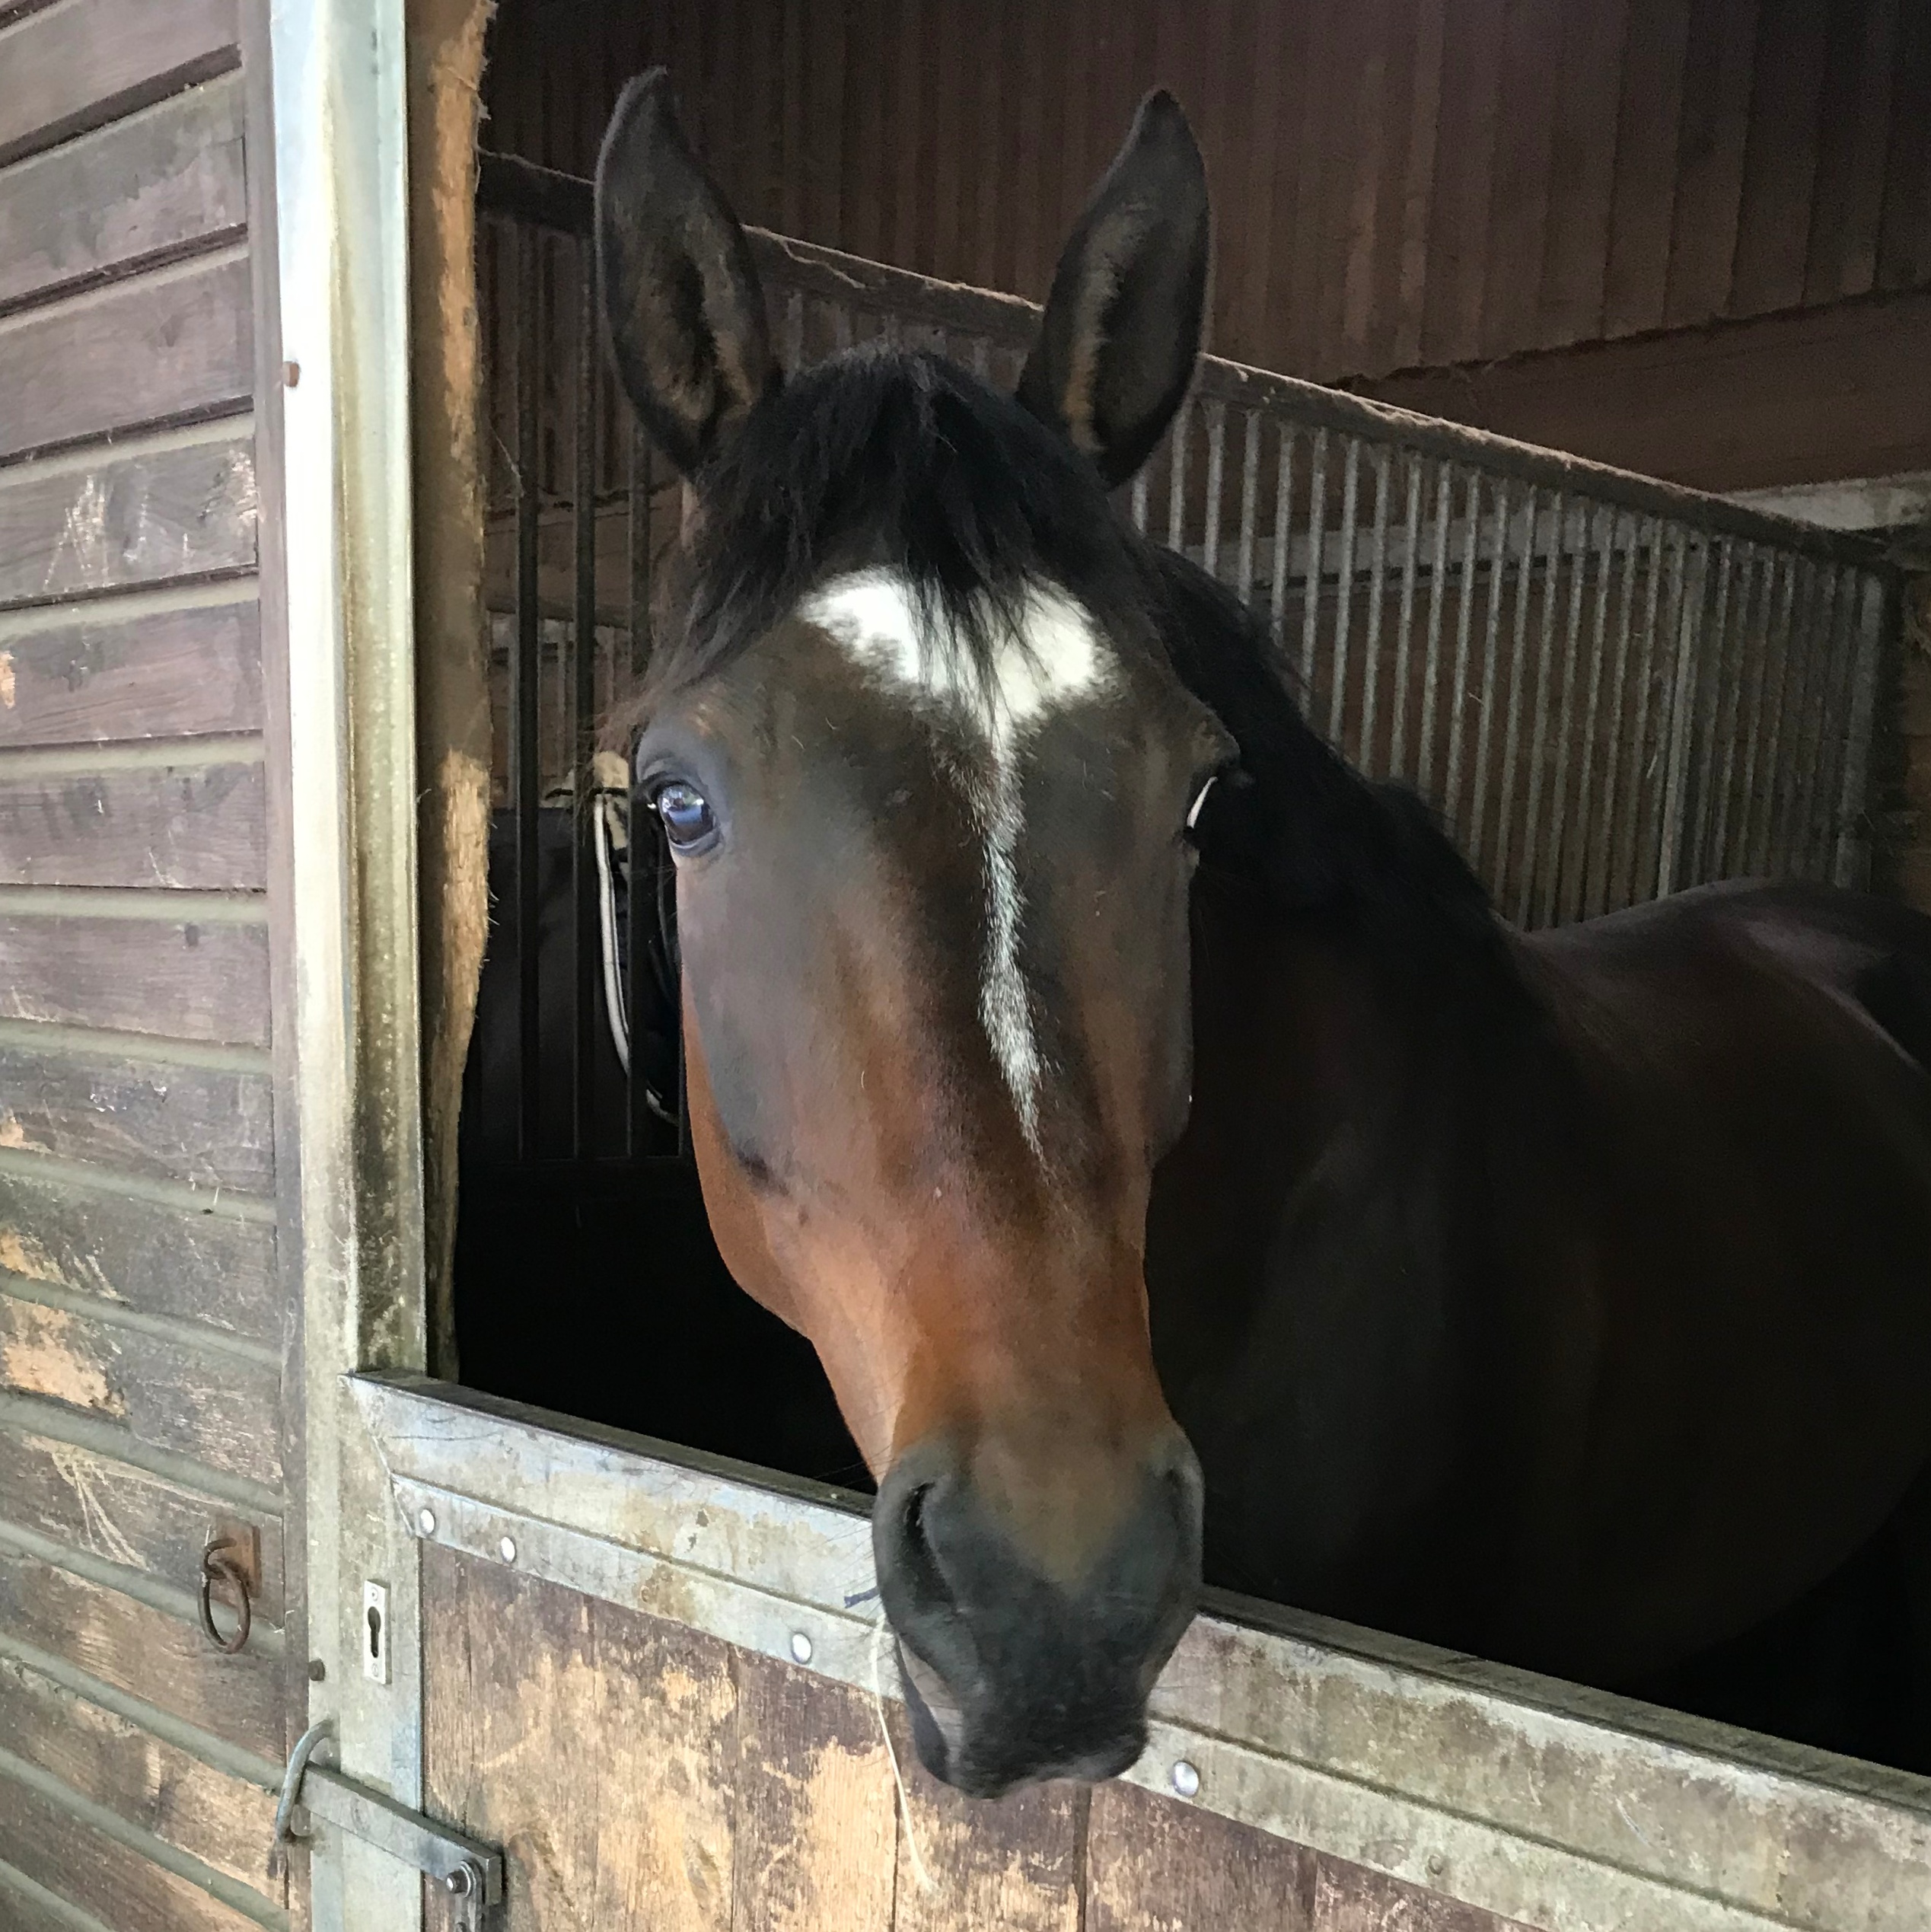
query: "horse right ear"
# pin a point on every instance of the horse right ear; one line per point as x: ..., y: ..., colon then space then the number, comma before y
x: 1121, y: 331
x: 681, y: 297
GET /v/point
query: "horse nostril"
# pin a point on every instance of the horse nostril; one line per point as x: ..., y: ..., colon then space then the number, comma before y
x: 918, y: 1575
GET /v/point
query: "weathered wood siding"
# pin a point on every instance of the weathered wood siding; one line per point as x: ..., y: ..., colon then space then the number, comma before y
x: 637, y: 1772
x: 142, y: 1313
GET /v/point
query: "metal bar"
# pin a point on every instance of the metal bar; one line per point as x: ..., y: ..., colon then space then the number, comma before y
x: 1491, y: 655
x: 1397, y: 754
x: 1715, y: 705
x: 1250, y: 505
x: 1751, y: 591
x: 1798, y: 653
x: 1632, y: 843
x: 1820, y: 860
x: 1539, y: 731
x: 1344, y: 590
x: 1577, y: 902
x: 1311, y: 589
x: 1517, y: 679
x: 1879, y: 601
x: 1464, y: 621
x: 1760, y: 792
x: 1547, y: 913
x: 640, y: 1132
x: 1283, y: 552
x: 1438, y: 576
x: 1177, y: 481
x: 1618, y: 692
x: 526, y: 781
x: 1216, y: 416
x: 1813, y: 709
x: 1677, y: 725
x: 1370, y: 657
x: 587, y: 950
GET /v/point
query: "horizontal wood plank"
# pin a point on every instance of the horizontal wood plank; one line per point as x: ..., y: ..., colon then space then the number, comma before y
x: 112, y: 1880
x: 176, y: 343
x: 166, y: 178
x: 184, y: 979
x: 225, y: 1821
x: 22, y: 1910
x: 78, y: 67
x: 163, y: 1659
x: 110, y: 519
x: 201, y: 1267
x: 223, y: 1410
x: 182, y: 826
x: 96, y: 673
x: 208, y: 1127
x: 1349, y: 1897
x: 110, y: 1509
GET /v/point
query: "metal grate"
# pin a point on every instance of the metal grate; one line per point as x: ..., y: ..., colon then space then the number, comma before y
x: 1610, y: 688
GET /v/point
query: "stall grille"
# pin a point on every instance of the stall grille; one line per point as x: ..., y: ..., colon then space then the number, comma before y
x: 1610, y: 687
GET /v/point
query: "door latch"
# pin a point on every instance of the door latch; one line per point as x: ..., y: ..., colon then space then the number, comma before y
x: 470, y: 1871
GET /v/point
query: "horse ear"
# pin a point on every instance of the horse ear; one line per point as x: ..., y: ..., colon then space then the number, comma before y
x: 681, y: 298
x: 1122, y: 327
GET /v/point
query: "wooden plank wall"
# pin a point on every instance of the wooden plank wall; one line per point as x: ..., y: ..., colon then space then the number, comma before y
x: 143, y: 1323
x: 1399, y: 183
x: 637, y: 1772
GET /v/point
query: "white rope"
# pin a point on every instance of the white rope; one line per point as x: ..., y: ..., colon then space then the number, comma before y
x: 607, y: 925
x: 881, y: 1630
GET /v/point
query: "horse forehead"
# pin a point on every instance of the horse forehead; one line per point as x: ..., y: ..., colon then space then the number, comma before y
x: 1055, y: 658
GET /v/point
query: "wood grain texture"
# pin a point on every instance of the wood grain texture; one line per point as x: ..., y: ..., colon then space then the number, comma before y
x: 97, y: 672
x: 225, y: 1823
x: 816, y: 1820
x: 593, y: 1744
x: 163, y: 1659
x: 103, y: 520
x: 1156, y: 1865
x: 111, y: 1880
x: 157, y: 182
x: 184, y: 979
x: 109, y: 1508
x: 78, y: 67
x: 206, y: 1267
x: 224, y: 1411
x: 207, y: 1127
x: 1351, y: 1898
x: 176, y: 343
x: 185, y: 826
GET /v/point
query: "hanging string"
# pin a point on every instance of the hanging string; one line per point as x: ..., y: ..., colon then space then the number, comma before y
x: 880, y: 1632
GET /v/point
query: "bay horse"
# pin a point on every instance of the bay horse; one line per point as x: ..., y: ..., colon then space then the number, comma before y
x: 1170, y: 1154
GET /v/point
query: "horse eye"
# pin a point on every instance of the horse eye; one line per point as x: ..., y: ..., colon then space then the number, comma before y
x: 685, y: 816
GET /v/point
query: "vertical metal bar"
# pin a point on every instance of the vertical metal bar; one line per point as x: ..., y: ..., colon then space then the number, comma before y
x: 637, y: 902
x: 1177, y: 481
x: 1800, y: 835
x: 1819, y: 858
x: 1283, y: 552
x: 1877, y: 614
x: 1437, y: 583
x: 1751, y: 592
x: 1491, y: 655
x: 1761, y: 791
x: 1465, y: 618
x: 1518, y: 678
x: 1411, y: 532
x: 1676, y: 725
x: 1605, y: 894
x: 1344, y: 588
x: 526, y: 781
x: 583, y: 677
x: 1538, y: 745
x: 1578, y: 571
x: 1371, y: 658
x: 1138, y: 499
x: 1800, y: 653
x: 1250, y: 505
x: 1311, y: 588
x: 1574, y: 903
x: 1215, y: 411
x: 1718, y: 711
x: 1639, y: 769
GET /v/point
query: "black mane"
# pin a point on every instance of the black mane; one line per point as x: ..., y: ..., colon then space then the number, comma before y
x: 898, y: 458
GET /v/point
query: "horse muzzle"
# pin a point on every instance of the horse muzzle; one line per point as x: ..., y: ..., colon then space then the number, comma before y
x: 1011, y: 1675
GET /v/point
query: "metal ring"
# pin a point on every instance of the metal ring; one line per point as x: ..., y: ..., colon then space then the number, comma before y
x: 217, y: 1567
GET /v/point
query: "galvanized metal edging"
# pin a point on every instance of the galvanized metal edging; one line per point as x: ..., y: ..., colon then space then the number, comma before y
x: 1570, y: 1809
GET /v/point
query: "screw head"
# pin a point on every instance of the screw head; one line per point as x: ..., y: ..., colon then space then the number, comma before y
x: 425, y: 1521
x: 801, y: 1647
x: 1184, y: 1778
x: 507, y: 1549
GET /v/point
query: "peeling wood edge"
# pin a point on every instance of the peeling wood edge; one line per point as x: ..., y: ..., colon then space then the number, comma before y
x: 485, y: 1469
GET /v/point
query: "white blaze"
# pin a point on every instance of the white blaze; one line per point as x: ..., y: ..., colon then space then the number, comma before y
x: 1055, y: 660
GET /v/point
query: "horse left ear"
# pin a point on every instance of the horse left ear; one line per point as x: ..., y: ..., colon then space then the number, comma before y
x: 687, y: 323
x: 1121, y: 331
